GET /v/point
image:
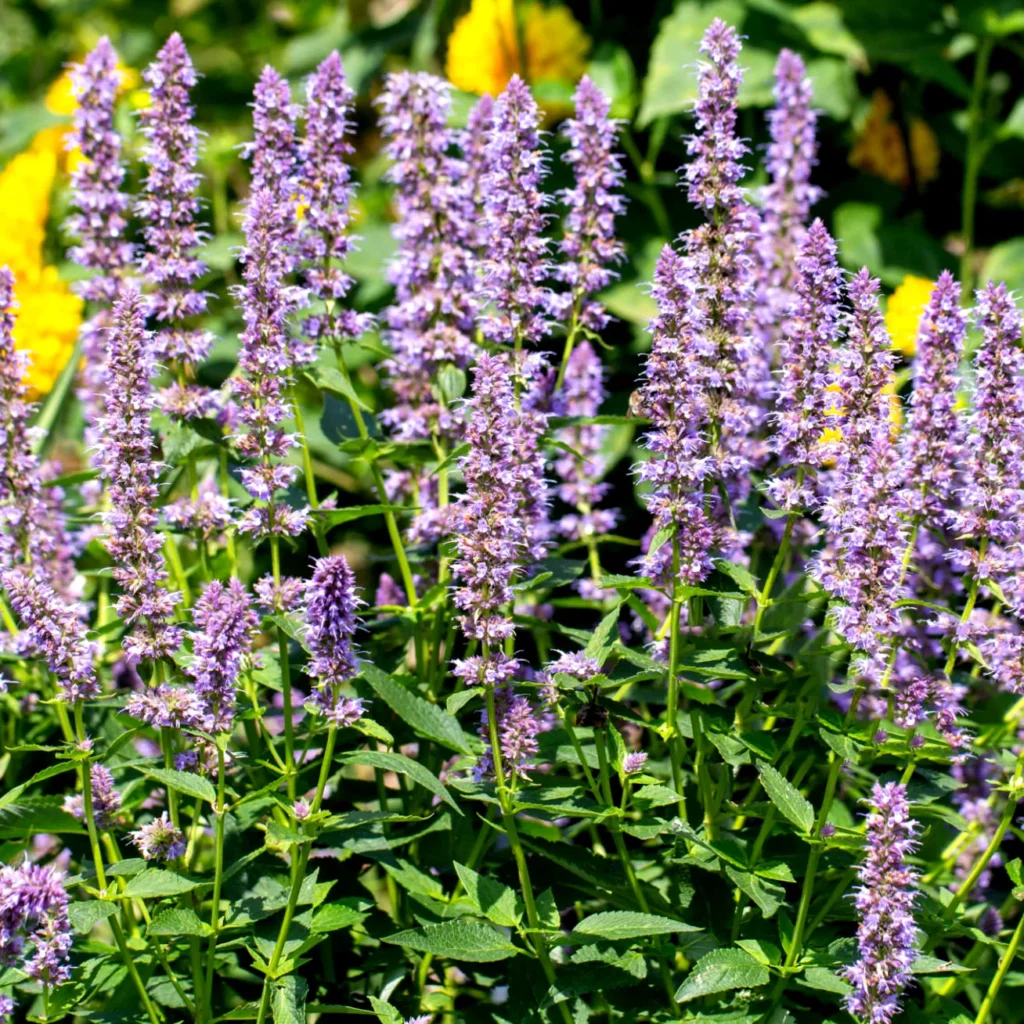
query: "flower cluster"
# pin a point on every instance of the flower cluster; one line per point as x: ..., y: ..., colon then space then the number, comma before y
x: 35, y: 934
x: 106, y: 800
x: 159, y: 839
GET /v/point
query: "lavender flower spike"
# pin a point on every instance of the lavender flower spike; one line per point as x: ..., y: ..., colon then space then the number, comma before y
x: 331, y: 622
x: 788, y: 198
x: 325, y: 190
x: 590, y: 246
x: 106, y: 800
x: 227, y: 625
x: 517, y: 729
x: 159, y: 839
x: 34, y: 919
x: 516, y: 263
x: 274, y: 149
x: 885, y: 903
x: 933, y: 438
x: 55, y: 631
x: 129, y: 466
x: 100, y: 222
x: 807, y: 350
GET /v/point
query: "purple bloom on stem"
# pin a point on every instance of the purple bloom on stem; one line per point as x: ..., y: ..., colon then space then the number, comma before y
x: 7, y: 1008
x: 807, y: 351
x: 129, y: 466
x: 55, y: 631
x: 933, y: 438
x: 106, y: 800
x: 227, y: 625
x: 473, y: 142
x: 169, y: 207
x: 274, y: 148
x: 516, y: 263
x: 788, y: 198
x: 167, y: 707
x: 159, y: 839
x: 331, y: 622
x: 590, y: 246
x: 431, y: 324
x: 35, y: 933
x: 885, y: 904
x: 100, y: 222
x: 634, y: 762
x: 517, y: 728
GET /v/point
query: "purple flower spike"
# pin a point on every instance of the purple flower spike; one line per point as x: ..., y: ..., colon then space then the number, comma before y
x: 106, y: 800
x: 933, y: 438
x: 474, y: 144
x: 788, y: 198
x: 885, y: 905
x: 32, y: 523
x: 807, y: 351
x: 518, y: 728
x: 227, y: 625
x: 634, y: 762
x: 54, y: 631
x: 331, y: 622
x: 274, y: 149
x: 590, y: 246
x: 431, y: 324
x: 326, y: 189
x: 130, y: 468
x: 100, y: 222
x: 159, y: 839
x: 169, y: 207
x: 265, y: 361
x: 678, y: 378
x: 516, y: 261
x: 35, y: 933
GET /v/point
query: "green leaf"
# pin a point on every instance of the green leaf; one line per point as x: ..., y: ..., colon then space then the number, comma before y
x: 1005, y: 262
x: 786, y: 797
x: 343, y: 913
x: 386, y: 1013
x: 495, y: 901
x: 425, y: 719
x: 856, y: 226
x: 825, y: 980
x: 604, y: 637
x: 457, y: 940
x: 177, y: 922
x: 722, y: 970
x: 330, y: 378
x: 184, y: 782
x: 768, y: 896
x: 51, y: 410
x: 156, y: 882
x: 288, y: 1000
x: 925, y: 964
x: 14, y: 792
x: 457, y: 701
x: 611, y: 925
x: 671, y: 83
x: 404, y: 766
x: 336, y: 516
x: 85, y: 914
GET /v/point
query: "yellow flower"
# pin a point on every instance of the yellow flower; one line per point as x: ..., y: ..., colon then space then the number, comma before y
x: 880, y: 148
x: 487, y: 47
x: 903, y: 313
x: 832, y: 435
x: 49, y: 315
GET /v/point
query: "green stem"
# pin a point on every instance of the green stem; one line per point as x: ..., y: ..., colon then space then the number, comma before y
x: 1004, y: 967
x: 972, y: 164
x: 218, y: 877
x: 286, y: 678
x: 672, y: 710
x: 764, y: 599
x: 972, y: 600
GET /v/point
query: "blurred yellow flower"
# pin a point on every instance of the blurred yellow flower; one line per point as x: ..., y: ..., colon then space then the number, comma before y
x: 880, y: 148
x: 49, y: 315
x: 487, y: 46
x: 832, y: 435
x: 903, y: 313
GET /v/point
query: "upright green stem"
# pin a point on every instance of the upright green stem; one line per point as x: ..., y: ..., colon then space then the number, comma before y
x: 307, y: 471
x: 972, y: 600
x: 972, y: 163
x: 672, y: 710
x: 1000, y: 976
x: 286, y: 678
x: 764, y: 599
x: 218, y: 878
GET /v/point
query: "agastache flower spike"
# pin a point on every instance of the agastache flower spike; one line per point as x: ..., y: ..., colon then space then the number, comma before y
x: 331, y: 622
x: 932, y: 440
x: 516, y: 263
x: 265, y: 361
x: 169, y: 207
x: 274, y: 149
x: 106, y: 800
x: 807, y: 350
x: 131, y: 471
x: 159, y: 839
x: 473, y: 142
x: 325, y: 190
x: 431, y: 323
x: 590, y: 246
x: 788, y: 198
x: 517, y: 729
x: 55, y: 631
x: 885, y: 904
x: 34, y: 528
x: 721, y: 252
x: 34, y: 920
x: 678, y: 378
x: 100, y: 222
x: 227, y: 625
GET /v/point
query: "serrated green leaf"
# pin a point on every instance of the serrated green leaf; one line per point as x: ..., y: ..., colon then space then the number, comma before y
x: 825, y: 980
x: 185, y: 782
x: 457, y: 940
x: 425, y: 719
x: 330, y: 378
x: 156, y: 882
x: 495, y: 901
x: 336, y: 516
x: 722, y: 970
x: 457, y: 701
x: 177, y: 922
x: 86, y: 914
x: 787, y: 798
x: 611, y: 925
x: 339, y: 914
x: 604, y: 636
x: 288, y: 1000
x: 404, y: 766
